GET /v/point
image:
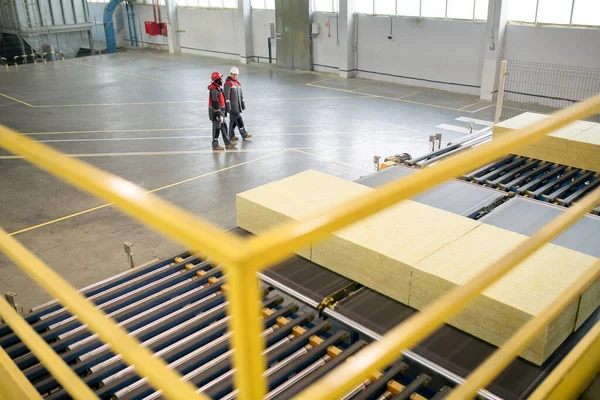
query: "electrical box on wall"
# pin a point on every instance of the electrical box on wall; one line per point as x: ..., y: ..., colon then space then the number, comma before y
x: 315, y: 28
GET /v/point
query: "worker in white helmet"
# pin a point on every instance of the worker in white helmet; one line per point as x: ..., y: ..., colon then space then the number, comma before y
x: 234, y: 101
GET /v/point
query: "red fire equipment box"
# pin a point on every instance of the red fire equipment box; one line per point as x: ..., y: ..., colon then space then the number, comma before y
x: 156, y: 28
x: 152, y: 28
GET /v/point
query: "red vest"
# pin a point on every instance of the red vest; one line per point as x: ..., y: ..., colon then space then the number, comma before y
x: 221, y: 96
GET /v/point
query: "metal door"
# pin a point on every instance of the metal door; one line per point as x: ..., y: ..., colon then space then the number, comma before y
x: 292, y: 31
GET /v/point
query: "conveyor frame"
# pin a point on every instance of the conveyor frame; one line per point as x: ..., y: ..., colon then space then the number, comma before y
x: 243, y: 258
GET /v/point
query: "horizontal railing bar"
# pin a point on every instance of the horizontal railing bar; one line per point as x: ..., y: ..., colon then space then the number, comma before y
x: 56, y: 365
x: 490, y: 368
x: 155, y: 369
x: 131, y: 199
x: 278, y: 243
x: 421, y: 325
x: 576, y: 371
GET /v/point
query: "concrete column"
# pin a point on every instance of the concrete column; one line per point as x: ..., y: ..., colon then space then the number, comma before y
x: 172, y: 27
x: 244, y: 23
x: 346, y: 53
x: 493, y: 48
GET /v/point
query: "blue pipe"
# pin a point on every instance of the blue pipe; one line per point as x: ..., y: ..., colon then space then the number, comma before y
x: 135, y: 36
x: 109, y: 29
x: 127, y: 7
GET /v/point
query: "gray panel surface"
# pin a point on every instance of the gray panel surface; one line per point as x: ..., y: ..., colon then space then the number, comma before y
x: 526, y: 216
x: 455, y: 196
x: 294, y: 49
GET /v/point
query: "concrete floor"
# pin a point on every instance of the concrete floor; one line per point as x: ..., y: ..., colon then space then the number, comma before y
x: 142, y: 115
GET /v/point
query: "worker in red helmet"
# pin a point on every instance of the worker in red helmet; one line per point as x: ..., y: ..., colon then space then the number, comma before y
x: 234, y: 100
x: 217, y: 111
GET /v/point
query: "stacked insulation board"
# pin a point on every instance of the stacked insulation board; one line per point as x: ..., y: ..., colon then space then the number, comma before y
x: 414, y: 253
x: 575, y: 145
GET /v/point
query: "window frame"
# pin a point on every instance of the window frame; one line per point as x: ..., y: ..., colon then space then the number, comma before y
x: 473, y: 15
x: 537, y: 23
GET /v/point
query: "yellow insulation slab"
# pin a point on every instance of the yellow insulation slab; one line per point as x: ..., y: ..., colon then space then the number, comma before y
x: 414, y: 253
x: 576, y: 145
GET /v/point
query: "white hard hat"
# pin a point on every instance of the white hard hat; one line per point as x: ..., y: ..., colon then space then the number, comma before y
x: 234, y: 70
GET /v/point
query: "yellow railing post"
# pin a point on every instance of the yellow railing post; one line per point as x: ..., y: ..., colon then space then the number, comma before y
x: 246, y: 324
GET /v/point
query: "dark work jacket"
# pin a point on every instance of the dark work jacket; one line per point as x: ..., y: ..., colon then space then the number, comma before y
x: 216, y: 101
x: 234, y: 97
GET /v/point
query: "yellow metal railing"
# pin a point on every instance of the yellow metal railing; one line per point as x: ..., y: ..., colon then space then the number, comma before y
x: 242, y: 258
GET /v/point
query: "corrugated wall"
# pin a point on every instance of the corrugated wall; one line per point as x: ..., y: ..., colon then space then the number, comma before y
x: 8, y: 15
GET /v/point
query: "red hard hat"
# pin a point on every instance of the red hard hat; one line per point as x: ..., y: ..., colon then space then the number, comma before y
x: 216, y: 75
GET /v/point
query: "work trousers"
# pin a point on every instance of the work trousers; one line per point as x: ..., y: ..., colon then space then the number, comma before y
x: 235, y: 120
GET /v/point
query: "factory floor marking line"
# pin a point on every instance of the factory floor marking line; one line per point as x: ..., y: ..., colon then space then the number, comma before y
x: 329, y: 159
x: 482, y: 108
x: 410, y: 94
x: 400, y: 99
x: 150, y: 103
x: 385, y: 97
x: 210, y: 136
x: 17, y: 100
x: 120, y: 72
x: 181, y: 152
x: 475, y: 121
x: 188, y: 129
x: 473, y: 104
x: 89, y: 210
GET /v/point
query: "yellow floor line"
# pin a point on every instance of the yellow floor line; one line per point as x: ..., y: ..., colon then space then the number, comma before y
x: 117, y: 131
x: 386, y: 97
x: 334, y: 161
x: 119, y: 72
x: 256, y: 135
x: 188, y: 129
x: 411, y: 94
x: 151, y: 103
x: 89, y: 210
x: 17, y: 100
x: 400, y: 99
x: 181, y: 153
x: 366, y: 86
x: 139, y: 103
x: 477, y: 102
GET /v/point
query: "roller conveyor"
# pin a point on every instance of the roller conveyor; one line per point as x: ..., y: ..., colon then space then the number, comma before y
x: 539, y: 180
x: 177, y: 308
x: 300, y: 347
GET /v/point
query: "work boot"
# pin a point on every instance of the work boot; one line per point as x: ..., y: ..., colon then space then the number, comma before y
x: 248, y: 136
x: 230, y: 145
x: 234, y: 138
x: 218, y: 148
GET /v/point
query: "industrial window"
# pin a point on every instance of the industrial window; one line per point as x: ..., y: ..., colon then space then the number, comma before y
x: 263, y: 4
x: 452, y: 9
x: 326, y: 5
x: 206, y: 3
x: 98, y: 1
x: 559, y: 12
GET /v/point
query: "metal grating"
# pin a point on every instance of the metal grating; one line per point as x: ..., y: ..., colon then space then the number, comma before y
x: 545, y: 88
